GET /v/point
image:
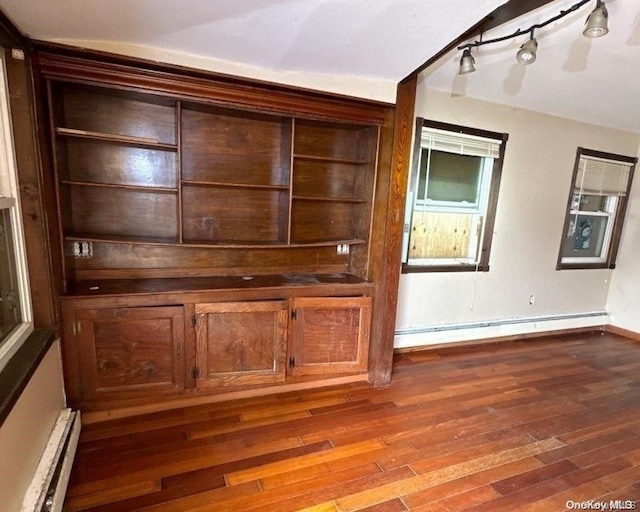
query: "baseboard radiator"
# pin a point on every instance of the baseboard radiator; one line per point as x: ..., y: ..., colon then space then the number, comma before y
x: 49, y: 485
x: 496, y: 329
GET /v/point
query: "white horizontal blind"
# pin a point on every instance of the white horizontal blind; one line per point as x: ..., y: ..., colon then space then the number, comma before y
x: 460, y: 143
x: 598, y: 176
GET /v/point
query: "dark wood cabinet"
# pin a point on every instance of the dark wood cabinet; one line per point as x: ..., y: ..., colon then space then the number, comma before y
x: 210, y: 231
x: 240, y: 343
x: 129, y: 352
x: 329, y: 335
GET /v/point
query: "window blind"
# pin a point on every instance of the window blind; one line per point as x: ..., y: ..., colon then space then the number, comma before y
x: 460, y: 143
x: 602, y: 177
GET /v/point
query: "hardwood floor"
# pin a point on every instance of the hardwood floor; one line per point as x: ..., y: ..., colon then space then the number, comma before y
x: 538, y: 425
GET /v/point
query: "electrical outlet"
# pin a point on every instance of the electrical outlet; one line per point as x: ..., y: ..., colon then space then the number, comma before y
x: 532, y: 300
x: 343, y: 248
x: 82, y: 249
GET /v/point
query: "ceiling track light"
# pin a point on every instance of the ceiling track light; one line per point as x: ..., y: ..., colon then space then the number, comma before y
x: 527, y: 52
x: 467, y: 62
x: 596, y: 25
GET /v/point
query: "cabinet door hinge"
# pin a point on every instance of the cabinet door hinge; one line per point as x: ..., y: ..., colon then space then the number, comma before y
x: 294, y: 314
x: 292, y: 362
x: 195, y: 372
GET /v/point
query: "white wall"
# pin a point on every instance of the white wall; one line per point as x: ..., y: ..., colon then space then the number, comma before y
x: 25, y: 432
x: 536, y: 177
x: 362, y: 87
x: 624, y: 296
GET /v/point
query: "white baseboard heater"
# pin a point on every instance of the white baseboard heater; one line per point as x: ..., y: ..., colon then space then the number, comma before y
x: 49, y: 485
x: 450, y: 333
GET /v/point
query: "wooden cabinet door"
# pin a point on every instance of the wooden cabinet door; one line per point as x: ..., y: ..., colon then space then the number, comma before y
x: 129, y: 352
x: 240, y: 343
x: 329, y: 335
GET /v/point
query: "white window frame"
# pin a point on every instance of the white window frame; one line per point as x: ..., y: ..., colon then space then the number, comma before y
x: 610, y: 214
x: 482, y: 193
x: 479, y: 210
x: 598, y: 174
x: 10, y: 199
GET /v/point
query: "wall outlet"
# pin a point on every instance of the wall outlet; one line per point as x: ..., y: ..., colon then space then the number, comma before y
x: 82, y: 249
x: 343, y: 248
x: 532, y: 300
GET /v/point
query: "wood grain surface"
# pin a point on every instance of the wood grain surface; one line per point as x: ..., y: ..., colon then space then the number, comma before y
x: 526, y: 425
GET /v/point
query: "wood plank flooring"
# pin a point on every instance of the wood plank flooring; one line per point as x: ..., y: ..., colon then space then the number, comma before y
x: 539, y: 425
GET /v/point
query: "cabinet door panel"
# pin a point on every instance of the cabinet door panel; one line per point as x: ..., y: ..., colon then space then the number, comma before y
x: 240, y: 343
x: 131, y: 351
x: 329, y: 335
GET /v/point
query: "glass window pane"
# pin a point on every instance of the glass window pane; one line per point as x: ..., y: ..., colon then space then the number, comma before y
x: 10, y: 314
x: 585, y: 236
x: 589, y: 203
x: 454, y: 178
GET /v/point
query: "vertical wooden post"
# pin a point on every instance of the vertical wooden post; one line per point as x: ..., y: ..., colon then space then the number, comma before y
x: 387, y: 230
x: 33, y: 214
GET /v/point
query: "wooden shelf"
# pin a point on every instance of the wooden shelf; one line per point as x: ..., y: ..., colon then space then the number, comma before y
x: 134, y: 240
x: 347, y: 161
x: 144, y: 142
x: 106, y: 287
x: 229, y: 244
x: 329, y: 199
x: 141, y: 188
x: 234, y: 185
x: 159, y: 184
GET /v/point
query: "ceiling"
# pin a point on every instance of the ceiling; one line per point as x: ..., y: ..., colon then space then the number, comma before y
x: 381, y: 40
x: 591, y: 80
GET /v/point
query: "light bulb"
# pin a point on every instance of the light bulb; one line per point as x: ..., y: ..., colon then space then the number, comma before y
x: 527, y: 52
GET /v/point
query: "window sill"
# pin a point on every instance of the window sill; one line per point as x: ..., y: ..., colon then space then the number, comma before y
x: 414, y: 269
x: 585, y: 266
x: 15, y: 376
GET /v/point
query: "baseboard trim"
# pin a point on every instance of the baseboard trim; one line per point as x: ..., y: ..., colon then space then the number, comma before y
x: 504, y: 329
x: 501, y: 339
x: 614, y: 329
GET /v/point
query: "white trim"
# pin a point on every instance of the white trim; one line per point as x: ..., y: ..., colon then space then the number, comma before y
x: 478, y: 212
x: 612, y: 203
x: 58, y: 454
x: 452, y: 333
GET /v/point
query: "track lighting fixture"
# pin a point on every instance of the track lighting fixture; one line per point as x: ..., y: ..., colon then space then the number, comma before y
x: 596, y: 26
x: 527, y: 52
x: 597, y: 22
x: 467, y: 62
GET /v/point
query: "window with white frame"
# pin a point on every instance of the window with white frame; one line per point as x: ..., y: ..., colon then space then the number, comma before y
x: 595, y: 211
x: 15, y: 306
x: 452, y: 197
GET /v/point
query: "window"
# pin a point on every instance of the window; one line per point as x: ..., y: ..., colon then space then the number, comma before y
x: 595, y: 210
x: 452, y: 198
x: 15, y: 307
